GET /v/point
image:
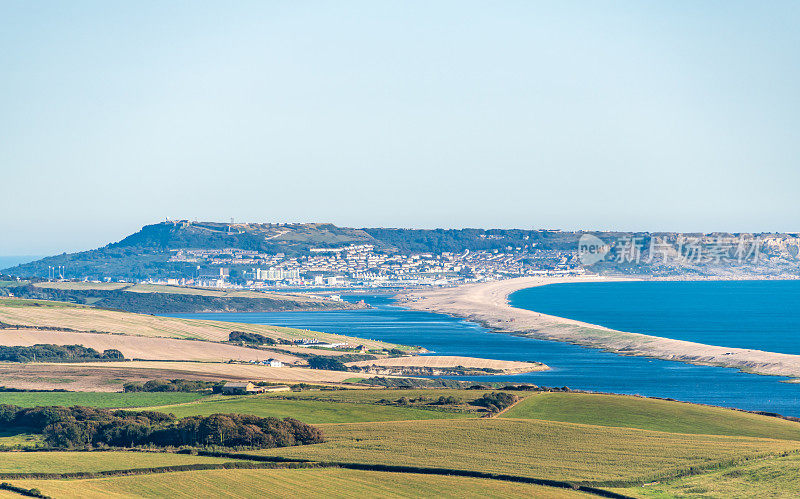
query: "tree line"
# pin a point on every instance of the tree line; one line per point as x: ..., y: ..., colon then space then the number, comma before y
x: 87, y: 427
x: 173, y: 385
x: 57, y: 353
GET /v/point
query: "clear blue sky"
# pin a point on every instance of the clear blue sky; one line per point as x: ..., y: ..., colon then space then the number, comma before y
x: 640, y: 115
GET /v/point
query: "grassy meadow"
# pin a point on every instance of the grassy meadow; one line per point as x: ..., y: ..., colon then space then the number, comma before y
x: 768, y: 477
x: 308, y: 411
x: 97, y: 399
x: 541, y: 449
x: 650, y: 414
x: 70, y: 462
x: 330, y: 482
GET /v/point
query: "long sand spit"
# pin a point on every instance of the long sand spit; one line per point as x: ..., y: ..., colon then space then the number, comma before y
x: 487, y: 304
x: 448, y: 361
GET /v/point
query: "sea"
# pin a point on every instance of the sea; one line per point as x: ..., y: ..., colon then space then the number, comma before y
x: 747, y: 314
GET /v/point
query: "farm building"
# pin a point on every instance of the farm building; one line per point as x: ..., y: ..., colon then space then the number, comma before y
x: 238, y: 388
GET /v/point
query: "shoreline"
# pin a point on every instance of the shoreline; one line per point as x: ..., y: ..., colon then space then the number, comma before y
x: 487, y: 304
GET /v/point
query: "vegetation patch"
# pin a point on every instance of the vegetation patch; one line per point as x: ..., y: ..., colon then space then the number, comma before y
x: 174, y: 385
x: 86, y: 427
x: 57, y: 353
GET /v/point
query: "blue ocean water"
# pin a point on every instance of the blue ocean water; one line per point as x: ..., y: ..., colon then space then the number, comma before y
x: 573, y: 366
x: 763, y: 315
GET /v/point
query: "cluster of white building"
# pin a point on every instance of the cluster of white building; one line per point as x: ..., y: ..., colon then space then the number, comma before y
x: 361, y: 265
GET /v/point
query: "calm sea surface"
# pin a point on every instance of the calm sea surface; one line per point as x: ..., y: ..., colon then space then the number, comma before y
x: 590, y: 369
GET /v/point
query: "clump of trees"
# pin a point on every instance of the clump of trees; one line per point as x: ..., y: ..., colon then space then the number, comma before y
x: 448, y: 400
x: 327, y: 363
x: 496, y: 401
x: 251, y: 338
x: 173, y: 385
x: 57, y: 353
x: 85, y: 427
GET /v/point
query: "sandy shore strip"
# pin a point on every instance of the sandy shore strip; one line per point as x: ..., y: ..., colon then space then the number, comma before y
x: 487, y: 304
x: 449, y: 361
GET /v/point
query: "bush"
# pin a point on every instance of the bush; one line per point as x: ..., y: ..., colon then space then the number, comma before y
x: 496, y: 401
x: 449, y: 400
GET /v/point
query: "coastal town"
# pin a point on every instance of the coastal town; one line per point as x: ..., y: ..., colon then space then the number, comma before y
x: 359, y: 265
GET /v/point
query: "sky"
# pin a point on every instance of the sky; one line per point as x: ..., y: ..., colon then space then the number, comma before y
x: 623, y: 115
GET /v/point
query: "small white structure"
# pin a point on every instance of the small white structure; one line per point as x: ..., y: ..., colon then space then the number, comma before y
x: 274, y: 363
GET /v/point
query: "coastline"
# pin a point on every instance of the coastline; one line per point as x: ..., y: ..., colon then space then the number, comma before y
x: 487, y: 304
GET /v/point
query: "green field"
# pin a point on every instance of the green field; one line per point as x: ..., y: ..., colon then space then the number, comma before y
x: 68, y: 462
x: 24, y: 302
x: 770, y: 477
x: 96, y: 399
x: 650, y: 414
x: 674, y: 449
x: 292, y: 483
x: 15, y: 438
x: 308, y: 411
x: 541, y: 449
x: 374, y: 395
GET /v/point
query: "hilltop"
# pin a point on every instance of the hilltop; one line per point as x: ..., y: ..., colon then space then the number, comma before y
x: 297, y: 253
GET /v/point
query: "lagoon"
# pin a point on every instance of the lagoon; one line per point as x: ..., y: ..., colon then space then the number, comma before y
x: 573, y: 366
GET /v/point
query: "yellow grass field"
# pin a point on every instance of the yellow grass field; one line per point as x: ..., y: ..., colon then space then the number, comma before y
x: 109, y: 321
x: 333, y: 482
x: 241, y: 371
x: 540, y: 449
x: 69, y: 462
x: 443, y: 361
x: 140, y: 347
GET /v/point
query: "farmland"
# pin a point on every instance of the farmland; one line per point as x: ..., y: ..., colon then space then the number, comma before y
x: 769, y: 477
x: 370, y: 428
x: 71, y: 462
x: 140, y: 347
x: 96, y: 399
x: 226, y: 371
x: 541, y: 449
x: 292, y: 483
x: 651, y: 414
x: 45, y: 314
x: 308, y: 411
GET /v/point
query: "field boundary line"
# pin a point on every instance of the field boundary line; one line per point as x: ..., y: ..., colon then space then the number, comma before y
x: 507, y: 408
x: 590, y: 489
x: 233, y: 465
